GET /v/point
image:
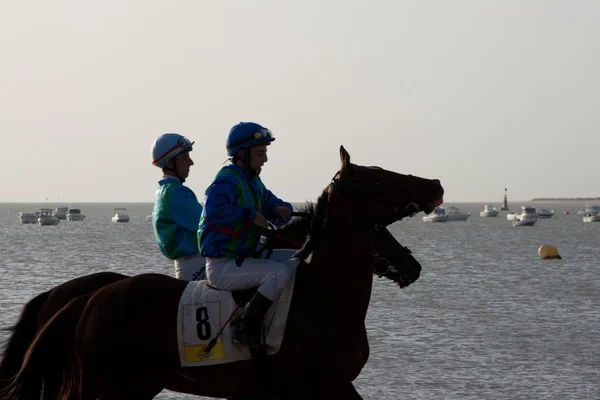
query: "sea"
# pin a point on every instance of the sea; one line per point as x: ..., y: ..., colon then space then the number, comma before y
x: 488, y: 318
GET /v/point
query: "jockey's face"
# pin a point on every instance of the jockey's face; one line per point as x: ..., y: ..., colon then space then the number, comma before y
x: 258, y: 157
x: 181, y: 164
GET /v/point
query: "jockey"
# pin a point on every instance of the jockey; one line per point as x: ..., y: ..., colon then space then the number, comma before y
x: 176, y: 212
x: 236, y: 205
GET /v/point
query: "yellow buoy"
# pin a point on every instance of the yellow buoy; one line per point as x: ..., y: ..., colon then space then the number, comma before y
x: 548, y: 252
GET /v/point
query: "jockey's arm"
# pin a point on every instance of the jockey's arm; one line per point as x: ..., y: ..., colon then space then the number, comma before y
x: 272, y: 202
x: 184, y: 208
x: 220, y: 205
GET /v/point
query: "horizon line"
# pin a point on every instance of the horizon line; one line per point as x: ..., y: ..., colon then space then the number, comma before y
x: 538, y: 199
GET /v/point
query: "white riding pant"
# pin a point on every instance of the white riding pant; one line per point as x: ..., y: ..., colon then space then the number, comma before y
x: 270, y: 275
x: 190, y: 268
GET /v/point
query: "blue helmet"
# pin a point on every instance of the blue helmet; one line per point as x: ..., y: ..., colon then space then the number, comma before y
x: 167, y: 146
x: 247, y: 134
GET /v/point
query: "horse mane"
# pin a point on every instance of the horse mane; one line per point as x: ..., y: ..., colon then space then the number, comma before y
x: 319, y: 212
x: 309, y: 208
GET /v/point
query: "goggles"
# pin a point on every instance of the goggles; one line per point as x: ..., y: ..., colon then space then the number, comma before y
x: 262, y: 134
x: 259, y: 135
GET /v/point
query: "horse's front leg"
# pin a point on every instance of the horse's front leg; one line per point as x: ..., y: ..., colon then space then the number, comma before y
x: 349, y: 392
x: 327, y: 392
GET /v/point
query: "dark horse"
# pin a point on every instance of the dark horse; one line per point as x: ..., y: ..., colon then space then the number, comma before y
x: 392, y: 261
x: 126, y: 337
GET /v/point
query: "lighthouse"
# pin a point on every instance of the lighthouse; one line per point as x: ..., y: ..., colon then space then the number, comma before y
x: 505, y: 203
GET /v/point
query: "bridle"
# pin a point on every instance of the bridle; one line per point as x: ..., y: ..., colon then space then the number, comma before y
x: 410, y: 210
x: 381, y: 265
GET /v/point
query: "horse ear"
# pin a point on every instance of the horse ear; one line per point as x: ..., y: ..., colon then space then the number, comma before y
x: 344, y: 157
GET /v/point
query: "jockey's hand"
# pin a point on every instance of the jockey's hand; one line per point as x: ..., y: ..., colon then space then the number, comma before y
x: 261, y: 221
x: 283, y: 213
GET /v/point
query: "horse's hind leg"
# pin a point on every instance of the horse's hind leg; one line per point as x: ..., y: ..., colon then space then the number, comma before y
x: 142, y: 389
x: 129, y: 393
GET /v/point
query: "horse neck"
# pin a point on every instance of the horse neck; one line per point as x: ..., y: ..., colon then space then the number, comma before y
x: 340, y: 273
x: 296, y: 232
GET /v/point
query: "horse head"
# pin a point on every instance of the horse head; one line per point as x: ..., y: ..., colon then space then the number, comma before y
x: 377, y: 197
x: 363, y: 200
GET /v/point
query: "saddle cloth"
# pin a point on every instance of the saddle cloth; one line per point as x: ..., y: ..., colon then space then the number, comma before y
x: 202, y: 313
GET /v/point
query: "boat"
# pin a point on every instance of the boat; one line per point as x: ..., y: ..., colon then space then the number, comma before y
x: 505, y: 202
x: 589, y: 209
x: 454, y: 214
x: 121, y: 215
x: 527, y: 217
x: 544, y: 213
x: 75, y: 214
x: 149, y: 217
x: 488, y: 211
x: 591, y: 218
x: 61, y: 212
x: 28, y: 218
x: 437, y: 215
x: 47, y: 217
x: 511, y: 216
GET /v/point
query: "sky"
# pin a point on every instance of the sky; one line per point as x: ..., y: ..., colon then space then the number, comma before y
x: 483, y: 95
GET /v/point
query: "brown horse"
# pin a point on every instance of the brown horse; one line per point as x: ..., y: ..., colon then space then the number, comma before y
x: 38, y: 311
x: 126, y: 355
x: 393, y: 261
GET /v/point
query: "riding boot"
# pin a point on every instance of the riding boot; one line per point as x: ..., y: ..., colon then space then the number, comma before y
x: 249, y: 329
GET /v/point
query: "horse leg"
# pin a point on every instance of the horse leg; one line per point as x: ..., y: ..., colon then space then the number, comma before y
x: 349, y: 392
x: 127, y: 390
x: 324, y: 391
x: 364, y: 344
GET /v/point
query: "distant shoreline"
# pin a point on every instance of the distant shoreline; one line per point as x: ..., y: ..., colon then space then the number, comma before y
x: 566, y: 199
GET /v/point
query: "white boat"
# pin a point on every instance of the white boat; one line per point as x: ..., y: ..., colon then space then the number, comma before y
x: 590, y: 209
x: 47, y: 217
x: 488, y: 211
x: 527, y: 217
x: 591, y: 218
x: 437, y: 215
x: 149, y: 217
x: 121, y: 215
x: 75, y: 214
x: 28, y: 218
x: 454, y: 214
x: 543, y: 213
x: 61, y: 212
x: 511, y: 216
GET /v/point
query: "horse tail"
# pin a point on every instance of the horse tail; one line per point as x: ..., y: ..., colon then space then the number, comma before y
x: 52, y: 360
x: 21, y: 335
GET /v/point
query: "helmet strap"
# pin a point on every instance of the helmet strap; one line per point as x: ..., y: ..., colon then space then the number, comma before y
x: 246, y: 161
x: 174, y: 170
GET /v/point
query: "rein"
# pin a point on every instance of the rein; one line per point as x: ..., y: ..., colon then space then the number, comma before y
x: 273, y: 233
x: 381, y: 265
x: 283, y: 238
